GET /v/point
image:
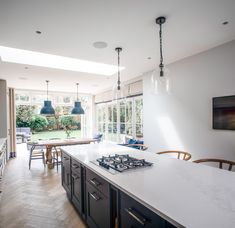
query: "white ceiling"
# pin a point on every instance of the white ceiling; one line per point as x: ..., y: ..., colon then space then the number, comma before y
x: 69, y: 28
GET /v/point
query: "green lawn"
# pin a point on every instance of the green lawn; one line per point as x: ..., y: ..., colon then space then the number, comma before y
x: 54, y: 134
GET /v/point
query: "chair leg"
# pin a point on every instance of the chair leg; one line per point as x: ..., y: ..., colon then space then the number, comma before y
x: 57, y: 161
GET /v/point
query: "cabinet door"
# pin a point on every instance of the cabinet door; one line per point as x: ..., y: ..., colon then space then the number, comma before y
x: 97, y: 208
x: 135, y: 215
x: 76, y: 191
x: 66, y: 181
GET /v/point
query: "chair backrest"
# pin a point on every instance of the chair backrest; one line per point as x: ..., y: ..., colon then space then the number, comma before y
x: 219, y: 161
x: 182, y: 155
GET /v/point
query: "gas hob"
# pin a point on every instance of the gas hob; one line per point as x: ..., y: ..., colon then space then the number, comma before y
x: 121, y: 163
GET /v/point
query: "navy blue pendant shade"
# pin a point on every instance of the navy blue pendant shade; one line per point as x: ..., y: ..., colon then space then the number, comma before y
x: 77, y: 110
x: 47, y: 109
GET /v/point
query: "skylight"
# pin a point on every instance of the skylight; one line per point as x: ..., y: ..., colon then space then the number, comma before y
x: 20, y: 56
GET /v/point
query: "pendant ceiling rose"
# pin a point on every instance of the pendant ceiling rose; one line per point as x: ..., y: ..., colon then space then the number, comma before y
x: 160, y: 20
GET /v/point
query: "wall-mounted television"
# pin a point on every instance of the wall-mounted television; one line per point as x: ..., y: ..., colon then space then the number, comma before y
x: 224, y: 113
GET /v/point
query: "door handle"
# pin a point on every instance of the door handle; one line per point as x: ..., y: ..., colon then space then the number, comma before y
x: 95, y: 196
x: 139, y: 218
x: 94, y: 182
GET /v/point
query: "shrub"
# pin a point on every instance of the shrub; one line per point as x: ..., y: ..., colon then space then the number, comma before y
x: 24, y: 114
x: 38, y: 123
x: 51, y: 122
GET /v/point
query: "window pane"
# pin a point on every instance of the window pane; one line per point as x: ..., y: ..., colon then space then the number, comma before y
x: 99, y: 115
x: 103, y: 114
x: 128, y: 129
x: 110, y: 129
x: 122, y: 114
x: 129, y: 112
x: 122, y: 128
x: 114, y: 128
x: 115, y: 113
x: 139, y: 130
x: 109, y: 113
x: 139, y: 111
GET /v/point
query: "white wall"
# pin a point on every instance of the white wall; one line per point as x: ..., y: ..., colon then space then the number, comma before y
x: 183, y: 120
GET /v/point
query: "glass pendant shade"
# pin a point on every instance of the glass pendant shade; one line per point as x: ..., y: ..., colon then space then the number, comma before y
x: 77, y: 110
x: 161, y: 84
x: 47, y: 109
x: 118, y: 93
x: 160, y: 77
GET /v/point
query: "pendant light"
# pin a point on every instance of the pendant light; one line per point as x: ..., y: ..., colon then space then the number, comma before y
x: 47, y: 109
x: 118, y: 89
x: 77, y: 110
x: 160, y: 76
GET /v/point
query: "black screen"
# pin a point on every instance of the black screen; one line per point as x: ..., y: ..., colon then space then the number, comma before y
x: 224, y: 113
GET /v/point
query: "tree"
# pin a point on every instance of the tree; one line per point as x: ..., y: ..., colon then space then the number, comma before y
x: 24, y: 114
x: 38, y: 123
x: 69, y: 123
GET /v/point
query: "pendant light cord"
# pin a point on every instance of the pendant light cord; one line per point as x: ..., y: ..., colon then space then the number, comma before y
x: 77, y: 90
x: 47, y: 88
x: 161, y: 65
x: 119, y: 81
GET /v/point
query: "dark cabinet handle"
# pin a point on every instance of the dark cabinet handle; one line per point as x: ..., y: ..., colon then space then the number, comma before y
x: 75, y: 166
x: 94, y: 182
x: 94, y: 196
x: 139, y: 218
x: 75, y: 177
x: 66, y: 158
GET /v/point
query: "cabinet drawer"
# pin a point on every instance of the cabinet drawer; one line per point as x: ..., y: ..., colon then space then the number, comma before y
x: 97, y: 208
x: 75, y: 166
x: 133, y: 214
x: 97, y: 182
x: 65, y: 159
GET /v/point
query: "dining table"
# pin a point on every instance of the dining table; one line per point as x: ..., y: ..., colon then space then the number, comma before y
x: 49, y: 144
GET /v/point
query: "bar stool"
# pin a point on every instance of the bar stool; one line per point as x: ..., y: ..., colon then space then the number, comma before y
x: 182, y: 155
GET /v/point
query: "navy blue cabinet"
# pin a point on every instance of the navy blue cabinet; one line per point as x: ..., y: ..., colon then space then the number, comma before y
x: 135, y: 215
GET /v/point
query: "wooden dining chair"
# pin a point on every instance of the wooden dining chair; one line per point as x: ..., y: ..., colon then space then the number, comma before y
x: 220, y: 162
x: 137, y: 146
x: 182, y: 155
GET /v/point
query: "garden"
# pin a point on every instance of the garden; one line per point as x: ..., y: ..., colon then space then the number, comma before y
x: 59, y: 125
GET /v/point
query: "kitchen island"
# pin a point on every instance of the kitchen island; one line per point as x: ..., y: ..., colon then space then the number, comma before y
x: 171, y: 193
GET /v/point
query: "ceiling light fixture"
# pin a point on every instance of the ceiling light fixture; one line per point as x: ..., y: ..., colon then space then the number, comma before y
x: 225, y: 23
x: 33, y: 58
x: 38, y: 32
x: 100, y: 44
x: 118, y: 90
x: 47, y: 109
x: 77, y: 110
x: 160, y: 77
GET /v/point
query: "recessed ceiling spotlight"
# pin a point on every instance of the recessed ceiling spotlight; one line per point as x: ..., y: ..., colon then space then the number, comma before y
x: 23, y: 78
x: 26, y: 68
x: 149, y: 58
x: 100, y: 44
x: 225, y: 23
x: 38, y: 32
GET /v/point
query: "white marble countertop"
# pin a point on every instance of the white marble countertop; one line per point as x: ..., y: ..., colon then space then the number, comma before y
x: 185, y: 193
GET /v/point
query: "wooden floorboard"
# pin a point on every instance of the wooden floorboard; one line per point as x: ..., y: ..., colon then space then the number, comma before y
x: 34, y: 198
